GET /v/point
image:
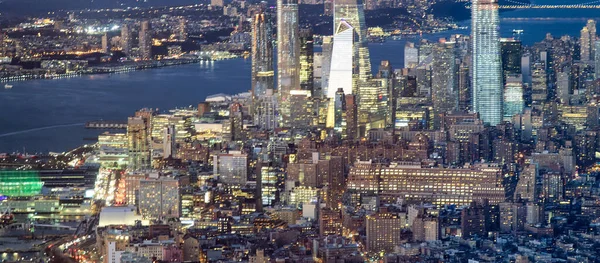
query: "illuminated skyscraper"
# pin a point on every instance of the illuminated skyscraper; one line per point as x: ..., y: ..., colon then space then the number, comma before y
x: 444, y: 90
x: 513, y: 98
x: 145, y: 40
x: 587, y: 41
x: 352, y: 11
x: 262, y: 57
x: 411, y: 55
x: 159, y: 198
x: 126, y: 39
x: 339, y: 112
x: 137, y: 138
x: 105, y: 43
x: 487, y: 66
x: 342, y: 66
x: 511, y: 56
x: 288, y: 54
x: 306, y: 60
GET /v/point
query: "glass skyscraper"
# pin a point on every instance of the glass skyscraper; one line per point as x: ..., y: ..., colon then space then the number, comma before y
x: 487, y: 66
x: 262, y: 57
x: 342, y: 66
x: 352, y: 11
x: 288, y: 55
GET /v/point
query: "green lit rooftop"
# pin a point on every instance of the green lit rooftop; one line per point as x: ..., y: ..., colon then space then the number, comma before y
x: 20, y: 183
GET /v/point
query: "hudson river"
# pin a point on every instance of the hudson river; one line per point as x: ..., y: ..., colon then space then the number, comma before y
x: 49, y: 115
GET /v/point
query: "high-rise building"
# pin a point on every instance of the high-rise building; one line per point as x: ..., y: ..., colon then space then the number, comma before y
x: 587, y: 41
x: 384, y: 230
x: 236, y: 121
x: 105, y: 43
x: 342, y: 60
x: 138, y: 148
x: 169, y: 143
x: 306, y: 60
x: 159, y: 198
x: 288, y: 55
x: 539, y: 84
x: 487, y: 66
x: 301, y: 109
x: 339, y: 110
x: 145, y: 40
x: 262, y: 58
x: 351, y: 117
x: 327, y: 49
x: 513, y: 98
x: 352, y: 11
x: 126, y: 39
x: 411, y: 55
x: 444, y: 90
x: 511, y: 56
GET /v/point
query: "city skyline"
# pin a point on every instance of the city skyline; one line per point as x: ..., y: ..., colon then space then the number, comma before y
x: 199, y: 133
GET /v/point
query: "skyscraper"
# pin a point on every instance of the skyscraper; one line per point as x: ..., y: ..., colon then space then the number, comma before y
x: 138, y: 148
x: 352, y: 11
x: 145, y: 40
x: 169, y: 144
x: 288, y: 54
x: 342, y: 58
x: 487, y: 66
x: 444, y: 90
x: 262, y: 58
x: 126, y: 39
x: 513, y: 97
x: 511, y: 56
x: 105, y: 43
x: 306, y: 60
x: 587, y: 41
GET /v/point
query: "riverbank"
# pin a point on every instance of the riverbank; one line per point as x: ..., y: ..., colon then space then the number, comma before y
x: 115, y: 68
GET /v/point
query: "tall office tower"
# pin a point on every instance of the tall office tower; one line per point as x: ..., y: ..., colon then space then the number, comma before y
x: 262, y: 58
x: 386, y: 96
x: 327, y: 50
x: 145, y: 40
x: 265, y: 115
x: 564, y: 85
x: 181, y: 31
x: 159, y: 198
x: 288, y: 55
x: 513, y: 97
x: 342, y: 57
x: 526, y: 69
x: 351, y: 117
x: 137, y: 140
x: 511, y: 56
x: 539, y: 84
x: 411, y: 55
x: 232, y: 167
x: 352, y: 11
x: 597, y: 59
x: 126, y: 39
x: 169, y: 144
x: 236, y: 121
x: 105, y: 43
x: 306, y: 60
x: 342, y: 67
x: 339, y: 112
x: 487, y: 66
x: 444, y: 90
x: 587, y: 40
x: 464, y: 87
